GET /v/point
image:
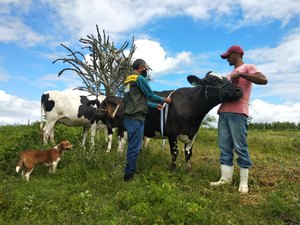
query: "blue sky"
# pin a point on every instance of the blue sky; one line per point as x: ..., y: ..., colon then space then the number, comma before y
x: 175, y: 37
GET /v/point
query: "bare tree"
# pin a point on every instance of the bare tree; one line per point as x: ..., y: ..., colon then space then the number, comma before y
x: 106, y: 68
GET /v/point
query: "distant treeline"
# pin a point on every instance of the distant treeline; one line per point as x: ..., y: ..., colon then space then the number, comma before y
x: 275, y: 126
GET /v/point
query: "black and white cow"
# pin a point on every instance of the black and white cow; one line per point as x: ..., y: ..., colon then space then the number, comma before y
x: 184, y: 115
x: 71, y: 109
x: 112, y: 109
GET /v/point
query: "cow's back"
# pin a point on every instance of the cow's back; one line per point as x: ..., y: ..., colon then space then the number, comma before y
x: 65, y: 107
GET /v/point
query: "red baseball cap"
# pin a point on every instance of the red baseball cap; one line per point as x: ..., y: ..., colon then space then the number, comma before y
x: 234, y: 48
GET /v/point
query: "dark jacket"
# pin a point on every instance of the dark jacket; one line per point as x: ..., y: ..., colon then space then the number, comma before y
x: 137, y: 91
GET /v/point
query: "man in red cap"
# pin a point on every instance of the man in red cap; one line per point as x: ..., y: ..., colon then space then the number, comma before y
x: 232, y: 125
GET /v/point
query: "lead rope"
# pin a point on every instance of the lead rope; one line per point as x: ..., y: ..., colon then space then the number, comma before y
x: 163, y: 119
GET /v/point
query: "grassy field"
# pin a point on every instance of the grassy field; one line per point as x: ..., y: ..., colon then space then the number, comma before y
x: 88, y: 186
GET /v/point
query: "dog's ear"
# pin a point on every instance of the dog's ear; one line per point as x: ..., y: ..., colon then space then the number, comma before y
x: 66, y: 145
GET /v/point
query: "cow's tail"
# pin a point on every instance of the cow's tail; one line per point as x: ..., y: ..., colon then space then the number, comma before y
x: 41, y: 122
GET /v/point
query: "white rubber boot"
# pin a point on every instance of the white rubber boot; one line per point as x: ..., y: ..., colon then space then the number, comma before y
x: 243, y: 187
x: 226, y: 176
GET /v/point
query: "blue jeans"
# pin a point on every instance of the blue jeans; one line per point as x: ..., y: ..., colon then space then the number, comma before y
x: 232, y: 135
x: 135, y: 130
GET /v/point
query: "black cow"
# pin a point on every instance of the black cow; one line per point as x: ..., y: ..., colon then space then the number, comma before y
x: 187, y: 110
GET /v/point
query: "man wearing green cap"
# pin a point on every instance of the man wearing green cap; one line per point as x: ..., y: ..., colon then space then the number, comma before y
x: 137, y: 92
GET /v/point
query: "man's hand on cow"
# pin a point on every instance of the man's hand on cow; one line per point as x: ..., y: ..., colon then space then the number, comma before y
x: 160, y: 107
x: 168, y: 100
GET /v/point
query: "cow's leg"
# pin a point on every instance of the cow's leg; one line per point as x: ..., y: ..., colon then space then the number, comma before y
x: 188, y: 152
x: 93, y: 134
x: 45, y: 135
x: 106, y: 134
x: 174, y: 152
x: 146, y: 141
x: 48, y: 131
x: 122, y: 140
x: 52, y: 136
x: 85, y: 134
x: 109, y: 136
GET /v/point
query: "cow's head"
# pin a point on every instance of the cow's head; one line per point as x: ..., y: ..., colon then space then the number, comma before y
x: 216, y: 86
x: 112, y: 106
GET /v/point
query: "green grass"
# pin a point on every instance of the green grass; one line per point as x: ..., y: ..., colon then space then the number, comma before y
x: 88, y: 186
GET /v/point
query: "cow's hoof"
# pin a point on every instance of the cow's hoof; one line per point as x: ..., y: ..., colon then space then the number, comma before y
x: 172, y: 167
x: 188, y: 169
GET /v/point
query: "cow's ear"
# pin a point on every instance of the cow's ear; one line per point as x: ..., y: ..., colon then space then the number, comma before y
x: 194, y: 80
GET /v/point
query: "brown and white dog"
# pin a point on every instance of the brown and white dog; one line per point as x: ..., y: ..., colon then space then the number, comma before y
x: 49, y: 158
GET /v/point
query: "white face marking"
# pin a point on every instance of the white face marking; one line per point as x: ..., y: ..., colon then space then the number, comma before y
x: 213, y: 74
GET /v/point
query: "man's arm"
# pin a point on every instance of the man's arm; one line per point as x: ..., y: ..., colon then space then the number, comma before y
x: 147, y: 91
x: 256, y: 78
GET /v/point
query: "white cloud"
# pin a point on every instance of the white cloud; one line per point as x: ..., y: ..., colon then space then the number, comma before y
x: 157, y: 58
x: 281, y: 65
x: 282, y: 58
x: 13, y: 30
x: 259, y: 11
x: 7, y: 6
x: 15, y: 110
x: 121, y: 16
x: 262, y: 111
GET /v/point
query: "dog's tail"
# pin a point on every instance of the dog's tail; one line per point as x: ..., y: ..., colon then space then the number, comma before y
x: 19, y: 164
